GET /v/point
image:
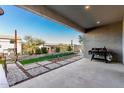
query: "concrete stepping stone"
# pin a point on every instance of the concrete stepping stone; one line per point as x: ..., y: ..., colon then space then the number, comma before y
x: 77, y: 57
x: 63, y: 62
x: 44, y: 62
x: 73, y: 59
x: 37, y: 71
x: 52, y: 66
x: 30, y: 66
x: 70, y: 60
x: 14, y: 74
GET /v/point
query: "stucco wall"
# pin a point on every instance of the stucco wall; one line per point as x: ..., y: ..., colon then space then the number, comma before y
x: 5, y: 44
x: 109, y: 36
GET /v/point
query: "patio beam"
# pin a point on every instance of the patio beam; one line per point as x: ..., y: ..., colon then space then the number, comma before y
x: 43, y: 10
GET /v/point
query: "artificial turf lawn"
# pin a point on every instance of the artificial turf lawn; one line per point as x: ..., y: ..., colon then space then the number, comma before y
x: 1, y: 61
x: 49, y: 57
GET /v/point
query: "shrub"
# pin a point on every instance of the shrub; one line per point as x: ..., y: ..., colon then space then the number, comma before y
x: 44, y: 50
x: 57, y: 49
x: 38, y: 51
x: 30, y: 53
x: 1, y: 60
x: 0, y: 57
x: 69, y: 48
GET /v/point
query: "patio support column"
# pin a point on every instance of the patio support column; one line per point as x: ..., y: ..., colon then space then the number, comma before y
x: 16, y: 46
x: 123, y: 39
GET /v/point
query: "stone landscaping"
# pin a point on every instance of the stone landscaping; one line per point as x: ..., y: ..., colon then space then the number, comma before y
x: 18, y: 73
x: 15, y: 74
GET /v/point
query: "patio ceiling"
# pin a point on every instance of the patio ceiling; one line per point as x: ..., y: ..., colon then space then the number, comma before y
x: 78, y: 17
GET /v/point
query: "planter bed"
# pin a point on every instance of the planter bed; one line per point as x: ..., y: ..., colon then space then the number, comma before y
x: 49, y: 57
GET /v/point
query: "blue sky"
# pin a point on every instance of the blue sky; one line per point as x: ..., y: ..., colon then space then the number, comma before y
x: 27, y: 23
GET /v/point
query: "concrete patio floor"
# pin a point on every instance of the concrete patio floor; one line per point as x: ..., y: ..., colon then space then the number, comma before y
x: 82, y: 73
x: 3, y: 81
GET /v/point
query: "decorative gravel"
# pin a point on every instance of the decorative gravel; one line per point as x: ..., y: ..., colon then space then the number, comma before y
x: 37, y: 71
x: 44, y: 62
x: 29, y: 66
x: 53, y: 65
x: 15, y: 74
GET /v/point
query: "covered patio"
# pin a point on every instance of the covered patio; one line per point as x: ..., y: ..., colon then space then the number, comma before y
x: 100, y: 27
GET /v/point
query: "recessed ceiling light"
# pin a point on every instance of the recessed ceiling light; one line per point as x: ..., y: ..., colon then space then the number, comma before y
x: 98, y: 22
x: 87, y: 7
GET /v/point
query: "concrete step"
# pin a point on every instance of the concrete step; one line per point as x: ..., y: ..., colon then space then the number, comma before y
x: 3, y: 80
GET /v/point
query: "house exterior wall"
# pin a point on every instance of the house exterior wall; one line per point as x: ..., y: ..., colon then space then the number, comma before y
x: 3, y: 79
x: 5, y: 44
x: 77, y: 48
x: 109, y: 36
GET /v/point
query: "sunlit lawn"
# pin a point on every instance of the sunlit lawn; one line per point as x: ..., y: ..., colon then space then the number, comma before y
x: 49, y: 57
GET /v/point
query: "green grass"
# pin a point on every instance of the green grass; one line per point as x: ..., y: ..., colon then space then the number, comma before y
x: 1, y: 61
x: 49, y: 57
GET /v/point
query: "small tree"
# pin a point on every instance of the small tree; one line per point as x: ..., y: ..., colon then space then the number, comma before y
x: 31, y: 44
x: 57, y: 49
x: 38, y: 51
x: 69, y: 48
x: 81, y: 39
x: 44, y: 50
x: 63, y: 47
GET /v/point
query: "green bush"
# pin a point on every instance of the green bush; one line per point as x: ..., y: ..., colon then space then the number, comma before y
x: 30, y: 53
x: 57, y: 49
x: 38, y: 51
x: 1, y: 60
x: 44, y: 50
x: 69, y: 48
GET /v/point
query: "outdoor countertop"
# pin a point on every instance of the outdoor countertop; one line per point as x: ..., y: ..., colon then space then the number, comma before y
x: 3, y: 80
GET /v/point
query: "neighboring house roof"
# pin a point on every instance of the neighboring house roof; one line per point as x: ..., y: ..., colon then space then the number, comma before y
x: 9, y: 37
x: 47, y: 44
x: 54, y: 44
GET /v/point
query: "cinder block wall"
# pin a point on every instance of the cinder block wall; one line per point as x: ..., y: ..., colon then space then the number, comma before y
x: 109, y: 36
